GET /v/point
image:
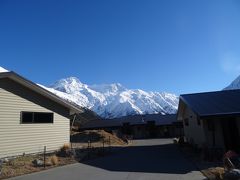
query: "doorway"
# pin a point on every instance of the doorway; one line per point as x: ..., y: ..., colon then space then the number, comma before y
x: 230, y: 134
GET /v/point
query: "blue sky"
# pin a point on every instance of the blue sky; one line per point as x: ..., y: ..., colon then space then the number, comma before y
x: 168, y: 45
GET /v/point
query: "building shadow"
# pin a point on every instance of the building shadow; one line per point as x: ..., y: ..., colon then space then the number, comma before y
x: 165, y: 158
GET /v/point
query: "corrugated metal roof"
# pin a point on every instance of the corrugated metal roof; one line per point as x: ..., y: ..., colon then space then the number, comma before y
x: 213, y: 103
x: 159, y: 119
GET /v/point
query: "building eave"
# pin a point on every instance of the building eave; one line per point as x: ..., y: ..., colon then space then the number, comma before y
x: 36, y: 88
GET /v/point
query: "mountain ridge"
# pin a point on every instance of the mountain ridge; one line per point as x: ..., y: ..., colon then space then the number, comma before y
x: 114, y: 100
x: 235, y: 84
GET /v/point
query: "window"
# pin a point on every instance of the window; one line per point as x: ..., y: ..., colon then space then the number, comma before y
x: 186, y: 121
x: 198, y: 121
x: 210, y: 125
x: 36, y: 117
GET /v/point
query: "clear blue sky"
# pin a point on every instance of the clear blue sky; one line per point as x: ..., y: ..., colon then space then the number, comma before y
x: 162, y: 45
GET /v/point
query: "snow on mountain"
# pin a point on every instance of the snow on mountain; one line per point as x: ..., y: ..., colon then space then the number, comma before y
x: 3, y: 70
x: 234, y: 85
x: 114, y: 100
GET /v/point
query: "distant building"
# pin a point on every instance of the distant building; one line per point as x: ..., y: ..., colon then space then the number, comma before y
x: 31, y: 117
x: 140, y: 126
x: 211, y: 119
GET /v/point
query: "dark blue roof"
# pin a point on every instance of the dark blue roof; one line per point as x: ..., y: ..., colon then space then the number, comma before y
x: 216, y: 103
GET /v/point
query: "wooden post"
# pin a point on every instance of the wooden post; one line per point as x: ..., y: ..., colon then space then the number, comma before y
x: 1, y: 166
x: 44, y: 157
x: 103, y: 145
x: 89, y: 148
x: 74, y: 117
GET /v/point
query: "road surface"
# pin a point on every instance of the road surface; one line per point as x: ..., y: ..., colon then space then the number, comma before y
x: 152, y: 159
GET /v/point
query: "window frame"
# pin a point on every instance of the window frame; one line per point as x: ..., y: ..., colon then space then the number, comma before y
x: 199, y: 121
x: 186, y: 121
x: 33, y: 115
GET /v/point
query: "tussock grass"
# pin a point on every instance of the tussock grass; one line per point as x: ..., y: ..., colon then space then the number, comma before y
x: 54, y: 160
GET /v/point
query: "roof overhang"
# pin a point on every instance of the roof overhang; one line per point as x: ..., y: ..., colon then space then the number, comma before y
x: 36, y: 88
x: 183, y: 104
x: 223, y: 115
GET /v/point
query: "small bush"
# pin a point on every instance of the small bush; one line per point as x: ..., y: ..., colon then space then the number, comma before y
x: 65, y: 151
x: 54, y: 160
x: 65, y: 147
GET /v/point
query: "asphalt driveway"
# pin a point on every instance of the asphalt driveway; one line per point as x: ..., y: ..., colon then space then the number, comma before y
x: 151, y: 159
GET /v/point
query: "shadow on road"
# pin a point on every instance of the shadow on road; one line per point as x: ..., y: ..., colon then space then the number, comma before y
x: 164, y: 158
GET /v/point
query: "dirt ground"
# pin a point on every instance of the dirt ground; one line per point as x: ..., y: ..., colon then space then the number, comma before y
x: 23, y: 165
x: 80, y: 143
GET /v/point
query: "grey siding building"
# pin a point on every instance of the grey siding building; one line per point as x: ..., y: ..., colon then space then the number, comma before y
x: 31, y: 117
x: 211, y: 119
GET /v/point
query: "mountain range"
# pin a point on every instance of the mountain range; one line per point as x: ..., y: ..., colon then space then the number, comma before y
x: 234, y: 85
x: 114, y: 100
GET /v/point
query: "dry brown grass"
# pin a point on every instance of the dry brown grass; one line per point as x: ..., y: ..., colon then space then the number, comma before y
x: 65, y: 147
x: 19, y: 166
x: 23, y: 165
x: 215, y: 173
x: 80, y: 139
x: 54, y: 160
x: 218, y: 172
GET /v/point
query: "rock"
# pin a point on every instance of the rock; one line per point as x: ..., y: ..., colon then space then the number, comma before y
x: 48, y: 163
x: 233, y: 174
x: 5, y: 160
x: 37, y: 162
x: 175, y: 140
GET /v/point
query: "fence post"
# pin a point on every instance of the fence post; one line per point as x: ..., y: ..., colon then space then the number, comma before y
x: 44, y: 157
x: 109, y: 139
x: 1, y: 166
x: 103, y: 145
x: 88, y: 148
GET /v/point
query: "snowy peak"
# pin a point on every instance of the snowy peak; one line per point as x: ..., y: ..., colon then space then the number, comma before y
x: 68, y: 85
x: 3, y: 70
x: 234, y: 85
x: 114, y: 100
x: 108, y: 88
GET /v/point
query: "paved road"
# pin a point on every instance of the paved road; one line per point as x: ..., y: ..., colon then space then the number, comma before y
x: 153, y: 159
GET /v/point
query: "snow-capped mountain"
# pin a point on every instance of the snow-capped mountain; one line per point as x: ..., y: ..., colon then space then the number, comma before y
x: 234, y: 85
x: 114, y: 100
x: 3, y: 70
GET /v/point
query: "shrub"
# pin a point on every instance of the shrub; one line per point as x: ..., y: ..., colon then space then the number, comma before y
x: 54, y: 160
x: 65, y: 151
x: 65, y: 147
